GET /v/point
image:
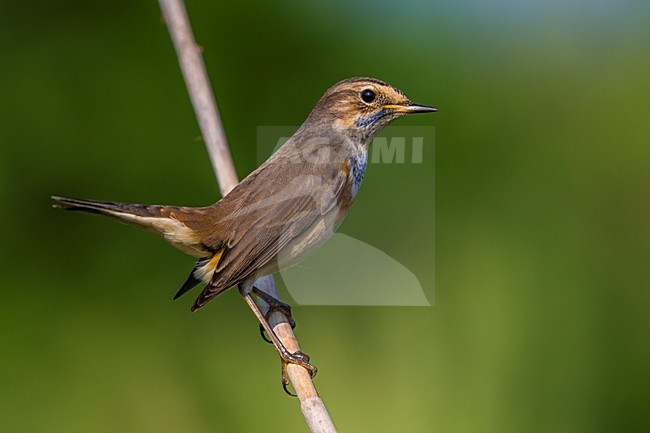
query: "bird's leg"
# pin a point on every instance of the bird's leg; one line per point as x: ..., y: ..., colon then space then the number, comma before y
x: 297, y: 357
x: 275, y: 305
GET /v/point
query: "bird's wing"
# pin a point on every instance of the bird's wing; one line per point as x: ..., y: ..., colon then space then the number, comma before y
x: 265, y: 212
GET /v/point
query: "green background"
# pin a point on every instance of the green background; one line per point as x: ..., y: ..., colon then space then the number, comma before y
x: 540, y: 320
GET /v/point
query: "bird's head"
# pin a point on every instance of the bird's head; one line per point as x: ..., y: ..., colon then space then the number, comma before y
x: 361, y: 107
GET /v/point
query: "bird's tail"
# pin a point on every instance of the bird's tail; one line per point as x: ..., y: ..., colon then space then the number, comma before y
x: 131, y: 213
x: 171, y: 222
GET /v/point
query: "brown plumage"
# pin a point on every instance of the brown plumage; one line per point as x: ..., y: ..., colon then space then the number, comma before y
x: 286, y: 208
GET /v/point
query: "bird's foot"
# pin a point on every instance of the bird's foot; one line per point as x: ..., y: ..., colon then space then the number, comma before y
x: 275, y: 306
x: 298, y: 358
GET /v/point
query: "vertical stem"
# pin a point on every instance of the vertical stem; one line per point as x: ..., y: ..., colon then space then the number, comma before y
x: 201, y: 94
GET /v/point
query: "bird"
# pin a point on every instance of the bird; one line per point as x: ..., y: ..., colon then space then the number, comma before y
x: 282, y: 211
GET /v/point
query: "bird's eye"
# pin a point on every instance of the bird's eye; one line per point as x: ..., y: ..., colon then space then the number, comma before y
x: 368, y: 96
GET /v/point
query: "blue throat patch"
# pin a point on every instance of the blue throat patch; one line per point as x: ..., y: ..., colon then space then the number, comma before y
x: 363, y: 122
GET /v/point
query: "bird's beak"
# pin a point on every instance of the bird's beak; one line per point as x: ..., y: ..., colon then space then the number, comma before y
x: 411, y: 107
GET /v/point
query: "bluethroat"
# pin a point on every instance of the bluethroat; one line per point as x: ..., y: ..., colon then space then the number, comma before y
x: 284, y: 210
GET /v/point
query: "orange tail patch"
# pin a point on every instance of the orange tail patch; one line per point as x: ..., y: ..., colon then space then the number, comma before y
x: 203, y: 271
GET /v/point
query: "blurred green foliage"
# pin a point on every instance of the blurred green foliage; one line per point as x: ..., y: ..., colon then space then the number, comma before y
x: 540, y: 320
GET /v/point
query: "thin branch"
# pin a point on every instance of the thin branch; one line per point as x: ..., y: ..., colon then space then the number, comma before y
x: 205, y: 107
x: 198, y: 86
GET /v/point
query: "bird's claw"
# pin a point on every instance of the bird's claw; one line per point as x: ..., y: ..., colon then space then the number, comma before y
x: 283, y: 309
x: 298, y: 358
x: 263, y: 335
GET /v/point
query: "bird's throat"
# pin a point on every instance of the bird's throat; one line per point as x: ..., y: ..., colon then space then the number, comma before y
x: 370, y: 119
